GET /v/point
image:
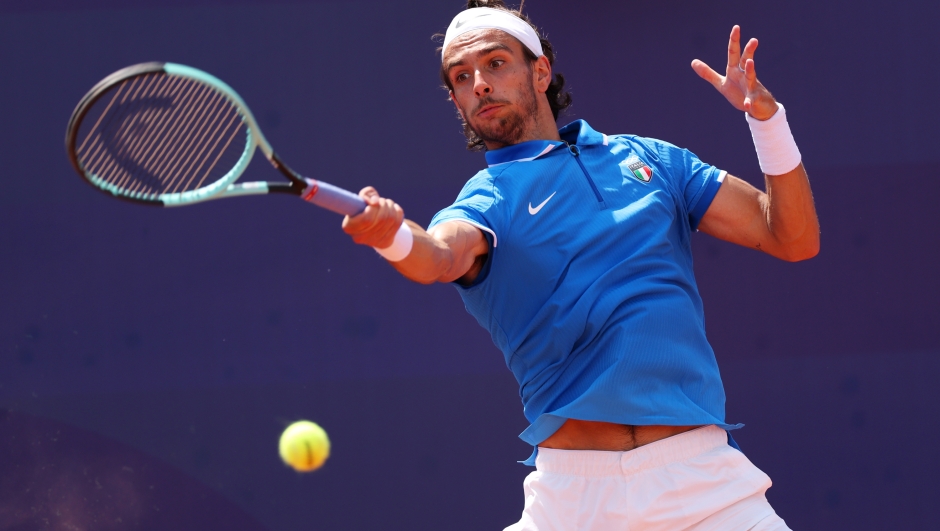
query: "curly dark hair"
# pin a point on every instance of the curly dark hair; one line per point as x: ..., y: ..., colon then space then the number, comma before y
x: 558, y: 99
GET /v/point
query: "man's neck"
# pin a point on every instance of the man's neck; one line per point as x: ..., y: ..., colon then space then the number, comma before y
x: 540, y: 130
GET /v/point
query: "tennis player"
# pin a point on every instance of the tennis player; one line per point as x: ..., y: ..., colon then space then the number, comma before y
x: 572, y: 248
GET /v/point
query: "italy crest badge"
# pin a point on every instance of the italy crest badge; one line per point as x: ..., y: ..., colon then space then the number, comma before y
x: 637, y: 168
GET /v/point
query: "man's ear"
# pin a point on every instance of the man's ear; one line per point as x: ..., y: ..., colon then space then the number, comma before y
x: 459, y: 111
x: 542, y: 74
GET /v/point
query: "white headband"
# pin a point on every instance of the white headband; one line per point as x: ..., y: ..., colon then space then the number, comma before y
x: 489, y: 18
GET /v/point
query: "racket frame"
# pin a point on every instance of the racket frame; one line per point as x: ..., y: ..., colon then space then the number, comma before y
x: 225, y: 186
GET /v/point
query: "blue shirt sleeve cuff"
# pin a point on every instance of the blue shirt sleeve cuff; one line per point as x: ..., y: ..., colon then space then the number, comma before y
x: 705, y: 199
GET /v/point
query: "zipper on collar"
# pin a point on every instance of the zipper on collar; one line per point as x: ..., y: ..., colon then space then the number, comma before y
x: 576, y: 153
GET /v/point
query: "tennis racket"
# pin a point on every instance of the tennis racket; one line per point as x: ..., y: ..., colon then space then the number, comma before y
x: 171, y: 135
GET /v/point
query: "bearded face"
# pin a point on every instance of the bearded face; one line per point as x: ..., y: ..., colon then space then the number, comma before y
x: 508, y: 124
x: 493, y: 86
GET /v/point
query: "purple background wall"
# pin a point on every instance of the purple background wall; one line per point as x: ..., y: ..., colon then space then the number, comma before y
x: 150, y: 358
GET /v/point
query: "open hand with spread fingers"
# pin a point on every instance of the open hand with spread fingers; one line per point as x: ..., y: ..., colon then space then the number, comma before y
x: 739, y: 84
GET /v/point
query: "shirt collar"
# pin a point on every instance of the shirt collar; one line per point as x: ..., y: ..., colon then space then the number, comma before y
x: 577, y: 132
x: 580, y: 133
x: 521, y: 152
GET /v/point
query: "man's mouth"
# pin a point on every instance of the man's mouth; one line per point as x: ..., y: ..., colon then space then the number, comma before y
x: 487, y: 110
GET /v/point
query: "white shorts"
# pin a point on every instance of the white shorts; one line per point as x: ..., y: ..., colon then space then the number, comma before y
x: 692, y: 481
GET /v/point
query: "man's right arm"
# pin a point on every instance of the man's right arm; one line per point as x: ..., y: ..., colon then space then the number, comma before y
x: 452, y: 251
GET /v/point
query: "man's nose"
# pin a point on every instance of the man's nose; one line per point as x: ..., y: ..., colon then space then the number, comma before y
x: 481, y: 86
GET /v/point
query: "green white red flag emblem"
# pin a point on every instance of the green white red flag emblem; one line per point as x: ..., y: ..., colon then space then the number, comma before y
x: 640, y: 170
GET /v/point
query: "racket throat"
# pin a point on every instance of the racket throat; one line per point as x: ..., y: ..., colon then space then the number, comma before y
x: 299, y: 185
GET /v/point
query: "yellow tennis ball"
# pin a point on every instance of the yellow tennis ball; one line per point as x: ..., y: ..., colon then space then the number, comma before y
x: 304, y: 446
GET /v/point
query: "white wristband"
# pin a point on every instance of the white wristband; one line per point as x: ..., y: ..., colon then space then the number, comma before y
x: 776, y: 150
x: 400, y: 248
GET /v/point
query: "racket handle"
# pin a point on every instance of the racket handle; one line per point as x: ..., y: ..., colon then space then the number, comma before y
x: 334, y: 198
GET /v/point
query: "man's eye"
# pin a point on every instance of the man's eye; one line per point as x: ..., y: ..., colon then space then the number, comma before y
x: 461, y: 77
x: 496, y: 63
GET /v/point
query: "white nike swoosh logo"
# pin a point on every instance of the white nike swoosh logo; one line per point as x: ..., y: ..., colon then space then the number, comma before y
x: 467, y: 19
x: 534, y: 211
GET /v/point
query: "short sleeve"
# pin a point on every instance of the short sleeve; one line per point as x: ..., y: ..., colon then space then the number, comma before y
x: 697, y: 181
x: 476, y: 205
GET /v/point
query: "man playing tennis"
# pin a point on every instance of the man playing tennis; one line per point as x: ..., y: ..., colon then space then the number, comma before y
x: 573, y: 249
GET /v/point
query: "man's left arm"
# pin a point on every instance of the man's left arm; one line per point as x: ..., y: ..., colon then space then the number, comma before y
x: 781, y: 221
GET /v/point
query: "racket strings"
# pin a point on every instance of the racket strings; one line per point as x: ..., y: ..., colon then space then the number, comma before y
x: 116, y: 128
x: 133, y: 148
x: 155, y: 134
x: 106, y: 147
x: 106, y: 121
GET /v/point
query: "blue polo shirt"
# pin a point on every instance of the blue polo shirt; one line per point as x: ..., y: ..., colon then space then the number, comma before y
x: 588, y: 289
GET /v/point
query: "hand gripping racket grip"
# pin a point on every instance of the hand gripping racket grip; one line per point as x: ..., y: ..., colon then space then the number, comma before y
x: 330, y: 197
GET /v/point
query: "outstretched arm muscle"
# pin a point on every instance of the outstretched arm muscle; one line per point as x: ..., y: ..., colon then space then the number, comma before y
x: 452, y: 251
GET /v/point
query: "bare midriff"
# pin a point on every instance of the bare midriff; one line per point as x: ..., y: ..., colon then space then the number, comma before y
x: 607, y: 436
